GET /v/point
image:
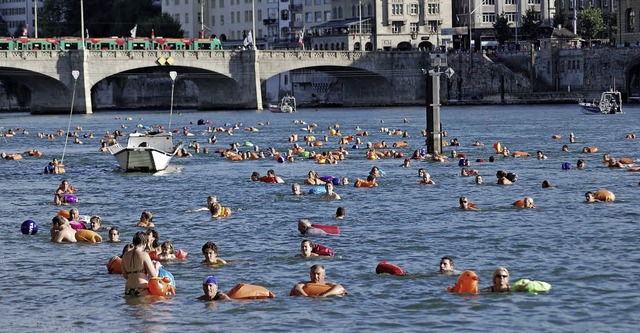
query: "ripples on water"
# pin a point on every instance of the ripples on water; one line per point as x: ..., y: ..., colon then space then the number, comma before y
x: 588, y: 253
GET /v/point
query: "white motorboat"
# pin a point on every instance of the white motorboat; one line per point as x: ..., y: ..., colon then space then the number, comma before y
x: 610, y: 103
x: 287, y: 105
x: 146, y: 152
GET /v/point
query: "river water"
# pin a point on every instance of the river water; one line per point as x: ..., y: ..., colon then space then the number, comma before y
x: 588, y: 252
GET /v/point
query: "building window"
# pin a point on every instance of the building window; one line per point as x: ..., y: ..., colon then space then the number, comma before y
x: 433, y: 8
x: 631, y: 20
x: 177, y: 2
x: 397, y: 9
x: 166, y: 3
x: 177, y: 17
x: 413, y: 9
x: 233, y: 17
x: 317, y: 2
x: 273, y: 13
x: 396, y: 27
x: 221, y: 3
x: 213, y: 20
x: 259, y: 14
x: 284, y: 15
x: 432, y: 26
x: 488, y: 18
x: 510, y: 2
x: 318, y: 16
x: 212, y: 4
x: 308, y: 2
x: 489, y: 2
x: 327, y: 15
x: 221, y: 19
x: 534, y: 2
x: 186, y: 2
x: 413, y: 27
x: 308, y: 17
x: 511, y: 17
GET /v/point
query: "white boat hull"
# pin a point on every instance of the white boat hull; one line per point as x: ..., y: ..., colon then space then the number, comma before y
x: 145, y: 158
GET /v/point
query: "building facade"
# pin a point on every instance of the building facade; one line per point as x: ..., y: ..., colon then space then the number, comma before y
x: 19, y: 14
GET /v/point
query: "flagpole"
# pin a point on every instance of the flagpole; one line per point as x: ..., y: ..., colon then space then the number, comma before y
x: 35, y: 10
x: 253, y: 22
x: 82, y: 22
x: 360, y: 18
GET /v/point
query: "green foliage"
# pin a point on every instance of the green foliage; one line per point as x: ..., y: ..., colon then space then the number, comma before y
x: 503, y: 30
x: 590, y: 23
x: 560, y: 18
x: 530, y: 25
x: 4, y: 31
x: 105, y: 18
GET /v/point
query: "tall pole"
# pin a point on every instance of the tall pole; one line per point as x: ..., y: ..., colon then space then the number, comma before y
x: 172, y: 75
x: 201, y: 18
x: 575, y: 18
x: 82, y: 22
x: 35, y: 16
x: 517, y: 19
x: 470, y: 37
x: 253, y: 22
x: 360, y: 18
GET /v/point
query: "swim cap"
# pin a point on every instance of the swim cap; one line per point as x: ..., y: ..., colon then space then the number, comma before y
x: 29, y: 227
x: 210, y: 280
x: 566, y: 166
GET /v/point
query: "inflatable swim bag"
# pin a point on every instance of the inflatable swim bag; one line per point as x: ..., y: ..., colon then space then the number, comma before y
x: 526, y: 285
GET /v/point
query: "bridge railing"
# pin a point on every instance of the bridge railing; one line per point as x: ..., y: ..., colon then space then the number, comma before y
x: 177, y: 54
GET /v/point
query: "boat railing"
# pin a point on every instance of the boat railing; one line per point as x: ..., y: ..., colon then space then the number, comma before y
x: 115, y: 148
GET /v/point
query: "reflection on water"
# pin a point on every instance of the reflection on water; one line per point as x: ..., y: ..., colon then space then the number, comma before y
x: 587, y: 252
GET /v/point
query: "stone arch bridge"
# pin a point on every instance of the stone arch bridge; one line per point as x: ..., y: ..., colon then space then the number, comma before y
x: 225, y: 79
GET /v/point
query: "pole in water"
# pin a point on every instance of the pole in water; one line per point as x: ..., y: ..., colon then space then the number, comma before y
x: 173, y: 75
x: 75, y: 74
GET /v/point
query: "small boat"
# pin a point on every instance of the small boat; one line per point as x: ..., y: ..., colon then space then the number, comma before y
x: 146, y: 152
x: 610, y: 103
x: 287, y: 105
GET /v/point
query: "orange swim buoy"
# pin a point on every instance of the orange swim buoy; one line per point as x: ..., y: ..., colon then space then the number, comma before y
x: 590, y: 149
x: 520, y: 154
x: 317, y: 143
x: 467, y: 283
x: 89, y: 236
x: 604, y: 195
x: 312, y: 289
x: 625, y: 160
x: 498, y: 147
x: 519, y: 203
x: 64, y: 213
x: 161, y: 286
x: 400, y: 144
x: 114, y: 266
x: 249, y: 291
x: 556, y: 136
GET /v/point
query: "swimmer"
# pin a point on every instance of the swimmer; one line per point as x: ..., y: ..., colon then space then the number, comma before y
x: 502, y: 178
x: 145, y: 220
x: 317, y: 274
x: 375, y: 171
x: 114, y: 235
x: 330, y: 194
x: 306, y: 249
x: 478, y: 144
x: 210, y: 289
x: 95, y: 223
x: 295, y: 189
x: 500, y: 279
x: 546, y: 184
x: 421, y: 172
x: 528, y: 202
x: 446, y: 265
x: 255, y: 176
x: 210, y: 201
x: 136, y: 266
x: 305, y: 228
x: 540, y: 155
x: 580, y: 164
x: 152, y: 241
x: 426, y: 180
x: 565, y: 148
x: 61, y: 230
x: 405, y: 164
x: 210, y: 252
x: 465, y: 204
x: 479, y: 180
x: 341, y: 213
x: 572, y: 138
x: 168, y: 252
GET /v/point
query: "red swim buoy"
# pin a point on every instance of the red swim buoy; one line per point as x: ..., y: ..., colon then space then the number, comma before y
x: 387, y: 268
x: 330, y: 229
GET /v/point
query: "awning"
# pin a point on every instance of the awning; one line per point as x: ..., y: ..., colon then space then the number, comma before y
x: 341, y: 23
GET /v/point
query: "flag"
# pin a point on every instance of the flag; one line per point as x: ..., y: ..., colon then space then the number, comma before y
x: 25, y: 31
x: 133, y: 31
x: 153, y: 34
x: 248, y: 41
x: 86, y: 32
x: 301, y: 39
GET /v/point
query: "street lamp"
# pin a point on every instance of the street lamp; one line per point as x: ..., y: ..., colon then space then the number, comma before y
x: 75, y: 74
x: 82, y: 21
x: 172, y: 75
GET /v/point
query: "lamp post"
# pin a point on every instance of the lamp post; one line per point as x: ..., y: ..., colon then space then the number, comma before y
x: 434, y: 130
x: 172, y: 75
x: 75, y: 74
x: 35, y: 16
x: 360, y: 18
x: 82, y: 22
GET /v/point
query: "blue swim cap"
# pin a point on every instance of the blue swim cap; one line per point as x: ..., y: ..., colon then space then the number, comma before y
x: 566, y: 166
x: 29, y: 227
x: 210, y: 280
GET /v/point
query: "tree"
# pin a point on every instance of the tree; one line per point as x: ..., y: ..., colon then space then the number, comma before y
x: 530, y: 25
x: 503, y: 29
x: 4, y: 31
x: 590, y: 23
x: 105, y: 18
